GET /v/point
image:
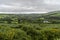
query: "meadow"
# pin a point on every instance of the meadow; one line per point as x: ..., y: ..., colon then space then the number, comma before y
x: 29, y: 27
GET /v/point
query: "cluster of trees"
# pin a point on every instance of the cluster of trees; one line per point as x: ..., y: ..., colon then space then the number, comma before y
x: 29, y: 27
x: 36, y: 18
x: 28, y: 32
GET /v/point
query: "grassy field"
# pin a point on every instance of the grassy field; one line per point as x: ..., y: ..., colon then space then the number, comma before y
x: 30, y: 26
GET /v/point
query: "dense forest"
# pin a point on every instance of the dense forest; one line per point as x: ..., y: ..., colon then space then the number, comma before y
x: 30, y: 26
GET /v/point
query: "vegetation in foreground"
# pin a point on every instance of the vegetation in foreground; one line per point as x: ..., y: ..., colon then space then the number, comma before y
x: 30, y: 27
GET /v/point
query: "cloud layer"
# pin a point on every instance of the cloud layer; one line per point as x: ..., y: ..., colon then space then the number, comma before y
x: 29, y: 5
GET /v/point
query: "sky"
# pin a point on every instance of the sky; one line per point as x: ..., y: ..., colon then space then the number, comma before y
x: 41, y: 6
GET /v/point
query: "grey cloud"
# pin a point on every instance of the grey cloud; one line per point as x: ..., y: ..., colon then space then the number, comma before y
x: 29, y: 5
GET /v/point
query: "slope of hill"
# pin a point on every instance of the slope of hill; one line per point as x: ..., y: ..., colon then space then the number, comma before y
x: 51, y: 17
x: 30, y: 26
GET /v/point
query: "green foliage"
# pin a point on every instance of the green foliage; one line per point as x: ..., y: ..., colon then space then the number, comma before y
x: 29, y: 27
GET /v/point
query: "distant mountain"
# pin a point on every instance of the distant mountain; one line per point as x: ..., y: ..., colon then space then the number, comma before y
x: 54, y: 13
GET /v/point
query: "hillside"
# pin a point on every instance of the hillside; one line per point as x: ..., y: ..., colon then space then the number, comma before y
x: 51, y: 17
x: 30, y: 26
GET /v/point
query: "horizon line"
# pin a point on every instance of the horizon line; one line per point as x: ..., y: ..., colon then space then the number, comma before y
x: 22, y: 12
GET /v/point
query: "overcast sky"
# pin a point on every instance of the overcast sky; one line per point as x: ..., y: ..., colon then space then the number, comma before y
x: 29, y: 5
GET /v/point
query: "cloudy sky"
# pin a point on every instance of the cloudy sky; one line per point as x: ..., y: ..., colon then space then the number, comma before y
x: 29, y: 5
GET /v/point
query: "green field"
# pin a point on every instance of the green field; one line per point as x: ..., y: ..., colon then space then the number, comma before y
x: 30, y: 26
